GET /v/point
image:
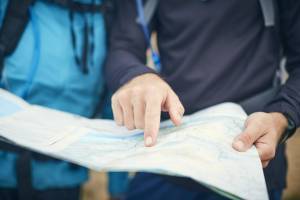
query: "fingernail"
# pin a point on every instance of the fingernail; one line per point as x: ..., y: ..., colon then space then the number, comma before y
x: 178, y: 118
x: 239, y: 145
x: 180, y: 114
x: 148, y: 141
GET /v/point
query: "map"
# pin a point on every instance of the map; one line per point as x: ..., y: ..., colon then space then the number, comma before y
x: 200, y: 148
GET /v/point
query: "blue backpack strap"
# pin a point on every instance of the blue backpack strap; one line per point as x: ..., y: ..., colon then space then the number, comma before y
x: 15, y: 20
x: 268, y: 11
x: 14, y: 23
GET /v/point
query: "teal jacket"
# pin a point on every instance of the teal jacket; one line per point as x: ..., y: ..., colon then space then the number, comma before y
x: 43, y: 69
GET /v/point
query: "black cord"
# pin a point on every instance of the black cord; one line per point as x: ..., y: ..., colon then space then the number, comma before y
x: 88, y: 39
x: 85, y: 47
x: 73, y: 37
x: 92, y: 34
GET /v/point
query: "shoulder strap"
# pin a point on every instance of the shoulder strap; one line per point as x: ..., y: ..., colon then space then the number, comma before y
x: 17, y: 16
x: 268, y: 11
x: 15, y: 20
x: 149, y: 9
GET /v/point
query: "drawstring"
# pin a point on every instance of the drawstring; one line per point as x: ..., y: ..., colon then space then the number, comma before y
x: 92, y: 35
x: 85, y: 48
x: 88, y: 46
x: 73, y: 37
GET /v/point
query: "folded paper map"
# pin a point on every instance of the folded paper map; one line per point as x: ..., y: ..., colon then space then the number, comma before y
x: 200, y: 148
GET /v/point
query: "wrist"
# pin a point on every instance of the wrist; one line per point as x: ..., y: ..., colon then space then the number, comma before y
x: 280, y: 122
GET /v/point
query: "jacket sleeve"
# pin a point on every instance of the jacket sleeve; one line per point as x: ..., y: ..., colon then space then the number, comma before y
x: 127, y: 52
x: 288, y: 99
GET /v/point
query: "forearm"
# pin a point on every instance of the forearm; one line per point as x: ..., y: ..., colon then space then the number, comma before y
x: 127, y: 54
x: 122, y: 66
x: 288, y: 99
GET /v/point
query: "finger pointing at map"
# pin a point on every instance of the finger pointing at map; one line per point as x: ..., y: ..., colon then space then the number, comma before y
x: 139, y: 103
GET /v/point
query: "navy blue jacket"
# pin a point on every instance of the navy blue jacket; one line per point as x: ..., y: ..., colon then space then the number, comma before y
x: 214, y: 51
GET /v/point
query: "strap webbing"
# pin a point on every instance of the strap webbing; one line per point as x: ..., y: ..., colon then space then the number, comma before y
x: 14, y: 23
x: 23, y: 168
x: 149, y: 10
x: 268, y: 11
x: 24, y: 176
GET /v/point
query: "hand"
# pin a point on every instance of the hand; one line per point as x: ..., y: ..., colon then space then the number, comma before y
x: 138, y: 104
x: 264, y: 130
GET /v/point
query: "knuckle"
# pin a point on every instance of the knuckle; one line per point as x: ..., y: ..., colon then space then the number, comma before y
x: 259, y: 114
x: 154, y: 97
x: 269, y: 154
x: 137, y: 100
x: 272, y: 132
x: 272, y: 153
x: 256, y: 117
x: 129, y: 126
x: 137, y: 90
x: 151, y: 89
x: 257, y: 125
x: 151, y: 115
x: 153, y: 92
x: 122, y: 96
x: 248, y: 138
x: 139, y: 125
x: 114, y: 98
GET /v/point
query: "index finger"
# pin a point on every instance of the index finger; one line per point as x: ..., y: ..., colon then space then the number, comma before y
x: 152, y: 121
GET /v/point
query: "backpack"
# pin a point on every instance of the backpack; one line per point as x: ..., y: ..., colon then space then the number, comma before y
x: 17, y: 13
x: 15, y: 21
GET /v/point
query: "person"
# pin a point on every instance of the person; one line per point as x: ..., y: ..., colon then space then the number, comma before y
x: 211, y: 52
x: 57, y: 63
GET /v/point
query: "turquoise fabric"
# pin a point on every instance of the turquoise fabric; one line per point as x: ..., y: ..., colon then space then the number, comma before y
x: 57, y: 82
x: 118, y: 183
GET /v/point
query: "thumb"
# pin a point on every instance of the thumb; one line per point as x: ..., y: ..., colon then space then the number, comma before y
x: 174, y: 107
x: 247, y: 138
